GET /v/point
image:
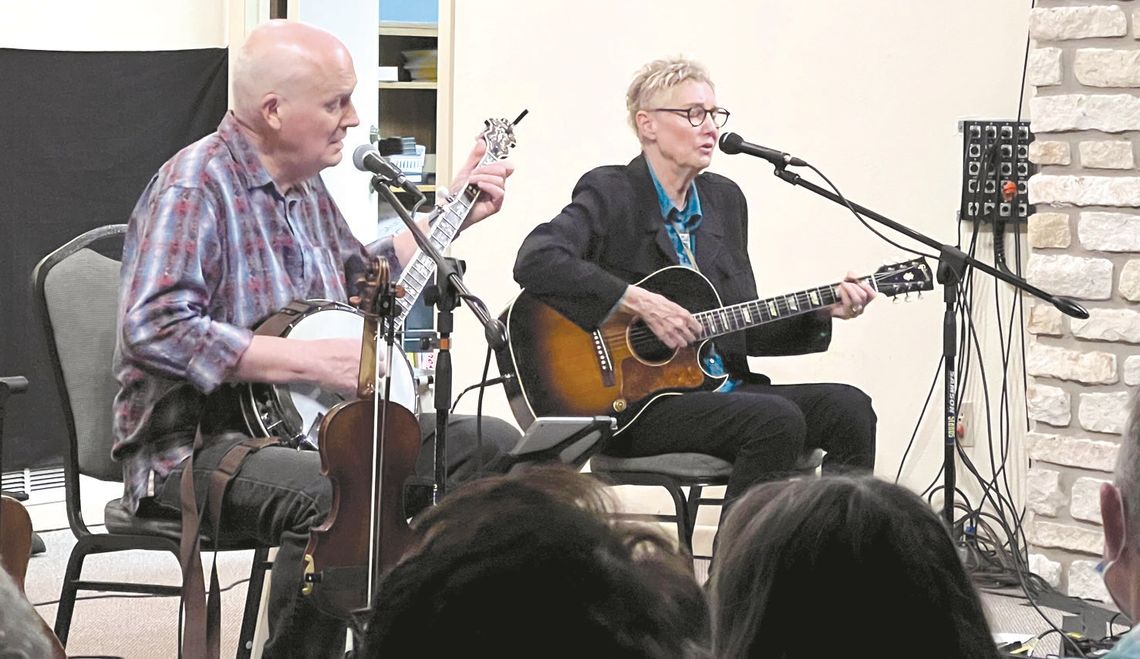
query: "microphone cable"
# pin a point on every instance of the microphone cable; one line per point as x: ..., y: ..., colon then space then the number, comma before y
x: 861, y: 219
x: 1008, y: 559
x: 484, y: 383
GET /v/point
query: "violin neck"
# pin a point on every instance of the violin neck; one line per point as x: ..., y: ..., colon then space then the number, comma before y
x: 369, y: 349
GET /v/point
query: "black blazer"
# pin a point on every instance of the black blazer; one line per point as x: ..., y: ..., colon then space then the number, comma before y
x: 612, y: 234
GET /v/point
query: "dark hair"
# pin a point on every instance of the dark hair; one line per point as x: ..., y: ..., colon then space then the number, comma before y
x: 818, y: 567
x: 530, y: 566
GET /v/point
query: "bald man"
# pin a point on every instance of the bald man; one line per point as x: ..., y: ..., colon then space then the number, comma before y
x: 231, y: 229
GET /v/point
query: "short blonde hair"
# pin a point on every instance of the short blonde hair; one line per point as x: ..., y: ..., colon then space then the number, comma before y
x: 658, y: 76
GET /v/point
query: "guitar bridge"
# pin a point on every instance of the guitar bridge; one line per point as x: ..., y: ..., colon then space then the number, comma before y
x: 604, y: 362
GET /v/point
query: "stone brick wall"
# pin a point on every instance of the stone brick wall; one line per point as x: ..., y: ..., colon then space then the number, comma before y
x: 1085, y: 68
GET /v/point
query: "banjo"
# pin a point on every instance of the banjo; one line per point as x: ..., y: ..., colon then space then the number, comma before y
x: 293, y: 412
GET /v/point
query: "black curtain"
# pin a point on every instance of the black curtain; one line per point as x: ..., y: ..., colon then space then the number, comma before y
x: 81, y: 134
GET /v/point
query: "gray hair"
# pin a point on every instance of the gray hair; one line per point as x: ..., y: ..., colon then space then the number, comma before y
x: 659, y: 76
x: 1127, y: 472
x: 245, y: 78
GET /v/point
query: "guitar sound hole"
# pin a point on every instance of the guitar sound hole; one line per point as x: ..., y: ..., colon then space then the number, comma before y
x: 646, y: 346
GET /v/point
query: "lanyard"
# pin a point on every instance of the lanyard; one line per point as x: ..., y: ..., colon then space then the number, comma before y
x: 683, y: 236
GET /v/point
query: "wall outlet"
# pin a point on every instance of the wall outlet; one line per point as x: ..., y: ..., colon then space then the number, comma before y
x: 965, y: 428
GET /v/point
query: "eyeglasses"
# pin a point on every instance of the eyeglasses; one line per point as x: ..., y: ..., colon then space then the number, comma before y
x: 696, y: 114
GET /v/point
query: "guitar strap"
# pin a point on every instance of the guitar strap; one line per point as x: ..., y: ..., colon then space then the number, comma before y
x: 202, y: 636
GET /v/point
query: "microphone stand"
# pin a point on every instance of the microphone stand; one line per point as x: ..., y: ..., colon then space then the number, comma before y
x: 952, y: 263
x: 450, y: 289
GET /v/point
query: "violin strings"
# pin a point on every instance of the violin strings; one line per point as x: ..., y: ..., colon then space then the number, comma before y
x: 376, y: 411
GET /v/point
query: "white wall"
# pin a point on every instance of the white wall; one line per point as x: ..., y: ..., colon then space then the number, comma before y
x: 112, y: 24
x: 870, y: 92
x: 355, y: 23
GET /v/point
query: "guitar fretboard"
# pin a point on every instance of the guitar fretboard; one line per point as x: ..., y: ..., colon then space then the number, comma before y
x: 444, y: 225
x: 726, y: 320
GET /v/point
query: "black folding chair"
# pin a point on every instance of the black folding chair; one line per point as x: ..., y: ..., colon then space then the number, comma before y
x: 76, y: 294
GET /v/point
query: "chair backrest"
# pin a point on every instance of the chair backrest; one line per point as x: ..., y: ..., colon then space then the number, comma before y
x: 77, y: 291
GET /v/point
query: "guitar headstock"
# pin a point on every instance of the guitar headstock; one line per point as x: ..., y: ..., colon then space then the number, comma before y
x: 900, y: 278
x: 500, y: 137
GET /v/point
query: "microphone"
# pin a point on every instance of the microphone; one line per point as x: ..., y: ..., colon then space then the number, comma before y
x: 732, y: 143
x: 368, y: 159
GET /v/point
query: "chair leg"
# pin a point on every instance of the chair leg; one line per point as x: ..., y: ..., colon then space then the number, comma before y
x: 69, y: 591
x: 691, y: 509
x: 253, y: 601
x: 684, y: 530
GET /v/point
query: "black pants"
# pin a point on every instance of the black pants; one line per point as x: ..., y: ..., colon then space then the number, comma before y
x: 761, y: 429
x: 279, y: 495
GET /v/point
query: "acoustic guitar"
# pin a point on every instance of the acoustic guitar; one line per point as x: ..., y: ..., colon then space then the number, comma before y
x: 555, y: 368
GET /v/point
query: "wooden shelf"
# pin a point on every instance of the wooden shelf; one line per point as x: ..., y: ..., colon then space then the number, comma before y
x: 415, y: 108
x: 397, y: 29
x: 414, y: 84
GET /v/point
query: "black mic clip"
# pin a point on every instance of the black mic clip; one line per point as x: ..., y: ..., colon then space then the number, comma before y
x: 367, y: 159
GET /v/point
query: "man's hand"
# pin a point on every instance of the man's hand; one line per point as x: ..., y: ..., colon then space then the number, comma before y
x: 854, y: 296
x: 337, y: 364
x: 491, y: 180
x: 671, y: 322
x: 331, y: 364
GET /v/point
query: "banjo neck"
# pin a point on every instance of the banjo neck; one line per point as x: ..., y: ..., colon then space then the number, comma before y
x: 445, y: 221
x: 444, y: 227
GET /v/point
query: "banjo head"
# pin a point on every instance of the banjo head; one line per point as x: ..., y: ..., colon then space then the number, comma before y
x: 295, y: 411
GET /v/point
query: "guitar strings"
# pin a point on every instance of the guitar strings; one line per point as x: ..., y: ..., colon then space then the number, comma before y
x: 642, y: 337
x: 737, y: 311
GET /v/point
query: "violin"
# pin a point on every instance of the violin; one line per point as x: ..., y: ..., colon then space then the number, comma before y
x: 15, y: 539
x: 368, y: 449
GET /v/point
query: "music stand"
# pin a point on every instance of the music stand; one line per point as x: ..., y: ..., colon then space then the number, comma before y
x: 569, y: 440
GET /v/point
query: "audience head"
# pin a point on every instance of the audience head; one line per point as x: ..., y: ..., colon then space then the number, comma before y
x: 1120, y: 512
x: 526, y: 566
x: 292, y: 86
x: 820, y: 567
x: 21, y: 635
